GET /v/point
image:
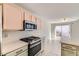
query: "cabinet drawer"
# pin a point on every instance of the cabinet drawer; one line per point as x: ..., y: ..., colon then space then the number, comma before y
x: 17, y: 52
x: 68, y: 46
x: 25, y: 53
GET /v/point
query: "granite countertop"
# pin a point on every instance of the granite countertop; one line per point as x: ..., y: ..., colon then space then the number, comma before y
x: 12, y: 46
x: 73, y: 42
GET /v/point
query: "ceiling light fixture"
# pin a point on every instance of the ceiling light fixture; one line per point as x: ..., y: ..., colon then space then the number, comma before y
x: 64, y: 19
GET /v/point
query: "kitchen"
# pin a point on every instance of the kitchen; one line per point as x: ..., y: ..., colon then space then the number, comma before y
x: 25, y: 33
x: 16, y: 26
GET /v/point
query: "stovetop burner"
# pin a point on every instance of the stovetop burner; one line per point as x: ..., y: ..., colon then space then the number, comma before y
x: 31, y: 38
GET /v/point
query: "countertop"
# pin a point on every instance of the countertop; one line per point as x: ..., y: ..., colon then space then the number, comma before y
x: 6, y: 48
x: 73, y: 42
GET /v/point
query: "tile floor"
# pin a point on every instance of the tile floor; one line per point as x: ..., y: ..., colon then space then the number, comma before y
x: 53, y: 48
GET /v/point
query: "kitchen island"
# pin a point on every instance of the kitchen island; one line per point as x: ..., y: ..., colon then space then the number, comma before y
x: 70, y: 48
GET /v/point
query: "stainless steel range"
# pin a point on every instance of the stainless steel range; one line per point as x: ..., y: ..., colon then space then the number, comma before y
x: 34, y: 45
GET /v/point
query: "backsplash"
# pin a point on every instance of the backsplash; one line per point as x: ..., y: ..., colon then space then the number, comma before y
x: 10, y: 36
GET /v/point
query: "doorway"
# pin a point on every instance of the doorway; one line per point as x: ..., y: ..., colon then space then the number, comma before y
x: 62, y: 32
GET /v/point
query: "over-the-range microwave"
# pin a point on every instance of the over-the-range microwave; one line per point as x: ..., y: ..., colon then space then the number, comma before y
x: 29, y: 25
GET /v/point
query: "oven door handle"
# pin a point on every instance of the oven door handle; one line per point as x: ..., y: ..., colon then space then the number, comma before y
x: 35, y: 41
x: 35, y: 44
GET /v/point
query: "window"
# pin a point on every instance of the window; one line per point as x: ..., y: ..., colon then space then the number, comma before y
x: 62, y: 32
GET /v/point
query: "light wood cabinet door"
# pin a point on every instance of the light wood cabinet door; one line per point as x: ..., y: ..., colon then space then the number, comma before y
x: 27, y: 15
x: 67, y: 52
x: 25, y: 53
x: 39, y: 24
x: 34, y: 19
x: 12, y: 17
x: 78, y: 51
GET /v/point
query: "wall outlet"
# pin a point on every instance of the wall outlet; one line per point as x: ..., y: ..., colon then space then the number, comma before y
x: 5, y: 35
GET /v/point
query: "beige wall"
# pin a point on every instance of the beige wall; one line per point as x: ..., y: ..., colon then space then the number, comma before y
x: 75, y: 30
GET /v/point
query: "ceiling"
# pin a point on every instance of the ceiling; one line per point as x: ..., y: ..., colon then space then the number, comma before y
x: 53, y: 11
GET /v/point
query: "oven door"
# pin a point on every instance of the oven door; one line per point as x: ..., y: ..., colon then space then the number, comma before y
x: 34, y: 49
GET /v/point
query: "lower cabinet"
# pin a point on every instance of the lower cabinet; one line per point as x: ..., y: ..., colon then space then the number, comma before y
x: 23, y: 51
x: 67, y: 52
x: 77, y: 51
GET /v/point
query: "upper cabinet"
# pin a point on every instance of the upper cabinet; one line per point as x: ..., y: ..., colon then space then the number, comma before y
x: 38, y: 24
x: 34, y: 19
x: 12, y: 17
x: 27, y: 15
